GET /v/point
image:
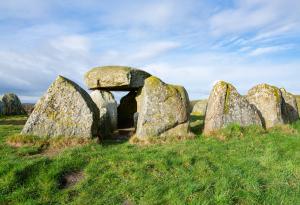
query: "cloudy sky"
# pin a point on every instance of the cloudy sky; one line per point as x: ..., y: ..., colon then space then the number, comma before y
x: 192, y: 42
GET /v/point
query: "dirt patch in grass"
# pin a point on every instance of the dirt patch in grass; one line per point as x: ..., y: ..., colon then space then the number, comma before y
x: 71, y: 179
x: 159, y: 140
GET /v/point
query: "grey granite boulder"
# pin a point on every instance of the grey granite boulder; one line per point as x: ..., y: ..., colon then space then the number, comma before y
x: 268, y: 100
x: 107, y: 106
x: 290, y: 107
x: 163, y: 110
x: 64, y: 110
x: 226, y: 106
x: 199, y: 108
x: 115, y: 78
x: 12, y: 105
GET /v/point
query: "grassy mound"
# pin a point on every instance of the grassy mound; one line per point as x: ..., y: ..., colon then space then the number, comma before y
x: 247, y: 166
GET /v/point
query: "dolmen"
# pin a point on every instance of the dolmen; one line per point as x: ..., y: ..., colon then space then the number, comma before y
x: 264, y: 105
x: 10, y: 104
x: 154, y: 108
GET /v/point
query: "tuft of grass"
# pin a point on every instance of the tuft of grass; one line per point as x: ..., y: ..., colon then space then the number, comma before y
x: 235, y: 131
x: 19, y: 140
x: 34, y: 144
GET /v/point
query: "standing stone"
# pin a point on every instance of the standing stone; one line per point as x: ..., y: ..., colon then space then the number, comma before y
x: 115, y: 78
x: 290, y: 106
x: 12, y: 105
x: 1, y: 107
x: 126, y: 110
x: 268, y: 100
x: 65, y: 110
x: 28, y: 107
x: 227, y: 106
x: 107, y: 106
x: 200, y: 107
x: 164, y: 110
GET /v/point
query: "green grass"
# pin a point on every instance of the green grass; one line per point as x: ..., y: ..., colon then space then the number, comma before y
x: 248, y: 166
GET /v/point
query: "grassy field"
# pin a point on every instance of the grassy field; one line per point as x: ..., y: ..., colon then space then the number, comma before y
x: 248, y: 166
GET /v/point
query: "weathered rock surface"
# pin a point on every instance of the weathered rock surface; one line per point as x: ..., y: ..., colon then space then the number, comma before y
x: 227, y: 106
x: 199, y: 108
x: 126, y: 110
x: 163, y: 110
x: 107, y: 106
x: 268, y: 100
x: 11, y: 105
x: 290, y: 107
x: 65, y: 110
x: 115, y: 78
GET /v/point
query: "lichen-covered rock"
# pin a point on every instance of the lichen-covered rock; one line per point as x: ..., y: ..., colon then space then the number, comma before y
x: 163, y: 110
x: 268, y: 100
x: 226, y: 106
x: 118, y: 78
x: 126, y: 110
x: 290, y: 107
x: 12, y: 105
x: 65, y: 110
x: 107, y: 106
x: 200, y: 107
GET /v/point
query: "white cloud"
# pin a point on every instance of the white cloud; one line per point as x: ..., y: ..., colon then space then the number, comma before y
x: 170, y: 39
x: 267, y: 50
x: 73, y: 43
x: 254, y: 14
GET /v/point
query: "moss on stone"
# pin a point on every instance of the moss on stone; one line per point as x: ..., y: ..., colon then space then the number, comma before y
x: 153, y: 81
x: 228, y: 88
x: 227, y: 102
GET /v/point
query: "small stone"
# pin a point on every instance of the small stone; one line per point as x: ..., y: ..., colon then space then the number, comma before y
x: 64, y: 110
x: 226, y: 106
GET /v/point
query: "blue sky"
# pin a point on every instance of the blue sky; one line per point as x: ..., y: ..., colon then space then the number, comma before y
x: 193, y: 42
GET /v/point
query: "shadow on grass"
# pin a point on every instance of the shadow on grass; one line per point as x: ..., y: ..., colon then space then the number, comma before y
x: 12, y: 122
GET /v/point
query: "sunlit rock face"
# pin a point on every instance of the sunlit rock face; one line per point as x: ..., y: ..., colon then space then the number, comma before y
x: 269, y: 101
x: 163, y: 110
x: 226, y: 106
x: 64, y: 110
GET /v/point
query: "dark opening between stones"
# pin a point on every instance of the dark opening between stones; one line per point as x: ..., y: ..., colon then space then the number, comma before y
x: 126, y: 110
